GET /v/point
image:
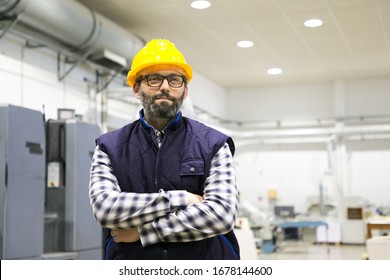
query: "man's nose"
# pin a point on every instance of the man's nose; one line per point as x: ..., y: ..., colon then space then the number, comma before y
x: 165, y: 85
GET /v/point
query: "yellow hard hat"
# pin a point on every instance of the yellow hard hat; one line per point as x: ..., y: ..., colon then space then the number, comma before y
x: 158, y: 54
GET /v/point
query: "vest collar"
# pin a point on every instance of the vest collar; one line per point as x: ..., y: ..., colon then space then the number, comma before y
x: 174, y: 124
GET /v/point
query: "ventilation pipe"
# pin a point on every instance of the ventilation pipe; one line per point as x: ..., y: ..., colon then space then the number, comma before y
x: 71, y: 27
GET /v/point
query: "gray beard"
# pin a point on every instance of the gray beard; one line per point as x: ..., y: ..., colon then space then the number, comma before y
x: 164, y: 110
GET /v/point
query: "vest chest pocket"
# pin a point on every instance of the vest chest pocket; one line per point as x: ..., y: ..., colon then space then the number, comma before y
x: 191, y: 173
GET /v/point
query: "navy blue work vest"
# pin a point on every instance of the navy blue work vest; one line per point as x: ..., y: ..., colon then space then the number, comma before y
x: 182, y: 162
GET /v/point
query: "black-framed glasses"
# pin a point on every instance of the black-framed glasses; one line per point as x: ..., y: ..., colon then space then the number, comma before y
x: 156, y: 80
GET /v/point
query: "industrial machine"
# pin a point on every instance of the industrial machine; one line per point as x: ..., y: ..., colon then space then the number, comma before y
x: 70, y: 228
x: 44, y: 180
x: 262, y: 224
x: 352, y: 220
x: 22, y: 182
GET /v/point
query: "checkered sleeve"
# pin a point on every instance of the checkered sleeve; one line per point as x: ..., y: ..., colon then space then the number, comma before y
x: 214, y: 216
x: 115, y: 209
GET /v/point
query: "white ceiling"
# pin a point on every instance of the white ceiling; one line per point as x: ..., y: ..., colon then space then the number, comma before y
x: 353, y: 43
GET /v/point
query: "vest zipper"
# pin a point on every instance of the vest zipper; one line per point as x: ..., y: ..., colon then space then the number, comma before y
x: 165, y: 254
x: 158, y: 159
x: 160, y: 143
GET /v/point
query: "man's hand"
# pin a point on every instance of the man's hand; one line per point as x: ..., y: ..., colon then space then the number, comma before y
x: 125, y: 235
x: 194, y: 198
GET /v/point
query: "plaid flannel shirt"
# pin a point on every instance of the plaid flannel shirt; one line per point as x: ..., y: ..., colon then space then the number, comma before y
x: 165, y: 216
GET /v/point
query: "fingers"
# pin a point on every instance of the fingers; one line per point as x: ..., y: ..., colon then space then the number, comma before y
x: 125, y: 235
x: 115, y: 233
x: 194, y: 198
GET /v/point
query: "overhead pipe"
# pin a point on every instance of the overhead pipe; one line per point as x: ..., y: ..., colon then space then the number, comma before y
x: 75, y: 26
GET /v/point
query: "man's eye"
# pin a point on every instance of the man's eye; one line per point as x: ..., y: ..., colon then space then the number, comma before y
x: 175, y: 79
x: 154, y: 78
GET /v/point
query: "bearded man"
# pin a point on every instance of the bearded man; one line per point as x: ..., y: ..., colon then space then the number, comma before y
x: 164, y: 186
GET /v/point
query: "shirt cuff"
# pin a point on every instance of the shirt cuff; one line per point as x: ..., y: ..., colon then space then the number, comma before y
x: 148, y: 234
x: 177, y: 199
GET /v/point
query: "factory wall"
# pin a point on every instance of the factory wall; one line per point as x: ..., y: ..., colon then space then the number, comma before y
x: 208, y: 95
x: 339, y: 98
x: 272, y: 103
x: 29, y: 79
x: 296, y: 170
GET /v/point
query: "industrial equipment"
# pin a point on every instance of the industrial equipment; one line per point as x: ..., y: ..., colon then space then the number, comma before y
x: 352, y: 220
x: 262, y: 224
x: 70, y: 228
x: 44, y: 182
x: 22, y: 182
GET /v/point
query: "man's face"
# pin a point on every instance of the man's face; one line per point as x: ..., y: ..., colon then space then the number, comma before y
x: 162, y: 101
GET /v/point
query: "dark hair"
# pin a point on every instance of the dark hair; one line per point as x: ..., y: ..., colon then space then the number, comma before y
x: 138, y: 80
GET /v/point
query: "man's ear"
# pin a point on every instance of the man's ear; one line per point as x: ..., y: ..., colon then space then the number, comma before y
x: 185, y: 92
x: 136, y: 90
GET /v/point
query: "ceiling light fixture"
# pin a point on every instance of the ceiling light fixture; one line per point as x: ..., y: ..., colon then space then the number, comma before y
x: 200, y: 4
x: 314, y: 22
x: 245, y: 44
x: 274, y: 71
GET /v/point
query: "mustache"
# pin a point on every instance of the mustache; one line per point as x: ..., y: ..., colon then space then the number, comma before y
x: 164, y: 94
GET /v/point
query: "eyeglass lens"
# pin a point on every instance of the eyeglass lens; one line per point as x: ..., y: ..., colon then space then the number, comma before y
x: 175, y: 81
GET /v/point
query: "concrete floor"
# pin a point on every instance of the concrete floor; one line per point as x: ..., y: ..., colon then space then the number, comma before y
x: 307, y: 250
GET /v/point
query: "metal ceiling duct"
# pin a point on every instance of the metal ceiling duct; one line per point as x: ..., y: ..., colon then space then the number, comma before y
x: 73, y: 26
